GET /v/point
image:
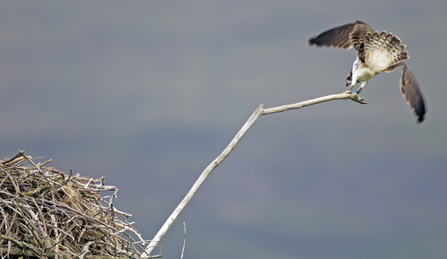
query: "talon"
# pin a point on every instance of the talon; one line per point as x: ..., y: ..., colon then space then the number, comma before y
x: 347, y: 92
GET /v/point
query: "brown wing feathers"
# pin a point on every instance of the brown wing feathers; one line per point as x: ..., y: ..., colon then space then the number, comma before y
x: 337, y: 37
x: 410, y: 90
x: 355, y: 35
x: 344, y: 37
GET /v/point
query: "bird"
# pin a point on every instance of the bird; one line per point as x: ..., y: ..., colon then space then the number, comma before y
x: 376, y: 52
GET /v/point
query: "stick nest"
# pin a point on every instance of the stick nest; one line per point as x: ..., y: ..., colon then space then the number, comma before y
x: 45, y: 213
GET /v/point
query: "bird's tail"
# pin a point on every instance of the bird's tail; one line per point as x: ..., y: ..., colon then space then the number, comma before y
x: 385, y: 44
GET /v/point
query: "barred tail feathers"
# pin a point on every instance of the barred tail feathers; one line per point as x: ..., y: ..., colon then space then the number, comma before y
x: 383, y: 50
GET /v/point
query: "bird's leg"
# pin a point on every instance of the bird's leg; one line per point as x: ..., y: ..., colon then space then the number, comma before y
x: 349, y: 79
x: 350, y: 88
x: 360, y: 87
x: 349, y: 82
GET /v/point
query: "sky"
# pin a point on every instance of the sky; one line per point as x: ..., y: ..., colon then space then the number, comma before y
x: 148, y: 93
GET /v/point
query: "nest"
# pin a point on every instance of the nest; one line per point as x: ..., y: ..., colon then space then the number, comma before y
x: 45, y: 213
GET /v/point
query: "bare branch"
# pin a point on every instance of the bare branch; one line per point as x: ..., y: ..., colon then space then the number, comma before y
x: 184, y: 241
x: 258, y: 112
x: 200, y: 180
x: 345, y: 95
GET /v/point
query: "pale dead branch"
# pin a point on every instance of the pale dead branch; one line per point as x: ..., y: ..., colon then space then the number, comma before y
x: 258, y: 112
x: 184, y: 241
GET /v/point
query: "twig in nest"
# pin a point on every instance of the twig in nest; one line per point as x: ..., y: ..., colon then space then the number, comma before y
x: 38, y: 190
x: 15, y: 159
x: 21, y: 244
x: 85, y: 249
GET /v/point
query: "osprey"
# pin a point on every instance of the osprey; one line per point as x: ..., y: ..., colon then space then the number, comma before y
x: 376, y: 52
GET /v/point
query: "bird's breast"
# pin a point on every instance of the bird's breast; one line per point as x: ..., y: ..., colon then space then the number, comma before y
x: 378, y: 59
x: 363, y: 73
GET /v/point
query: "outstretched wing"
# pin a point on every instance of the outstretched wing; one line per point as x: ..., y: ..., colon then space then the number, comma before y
x: 410, y: 90
x: 344, y: 37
